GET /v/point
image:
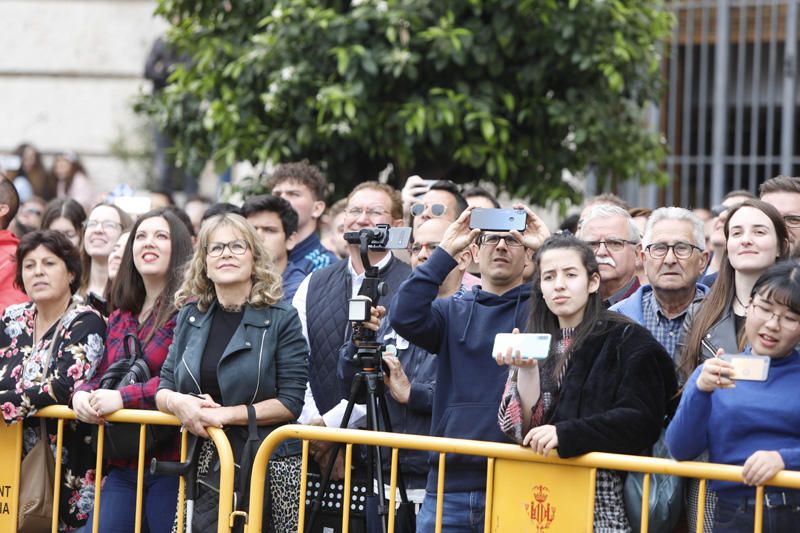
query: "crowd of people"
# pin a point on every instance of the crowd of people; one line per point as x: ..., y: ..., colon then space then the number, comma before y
x: 240, y: 314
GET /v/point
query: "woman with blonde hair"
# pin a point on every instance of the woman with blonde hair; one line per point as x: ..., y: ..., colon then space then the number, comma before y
x: 238, y: 353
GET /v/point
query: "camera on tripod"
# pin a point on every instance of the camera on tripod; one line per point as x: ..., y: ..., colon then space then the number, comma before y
x: 381, y: 237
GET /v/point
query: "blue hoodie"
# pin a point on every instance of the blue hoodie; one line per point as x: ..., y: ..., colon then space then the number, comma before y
x: 469, y: 384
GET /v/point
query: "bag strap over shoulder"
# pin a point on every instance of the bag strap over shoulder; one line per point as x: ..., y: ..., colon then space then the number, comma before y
x: 132, y: 346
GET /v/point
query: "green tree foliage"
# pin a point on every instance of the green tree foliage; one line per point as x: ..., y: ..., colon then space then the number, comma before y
x: 513, y: 91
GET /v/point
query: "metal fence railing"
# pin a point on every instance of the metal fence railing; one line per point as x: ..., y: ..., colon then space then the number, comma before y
x: 502, y: 484
x: 141, y: 417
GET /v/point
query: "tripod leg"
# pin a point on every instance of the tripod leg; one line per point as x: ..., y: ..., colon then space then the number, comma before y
x: 387, y: 423
x: 316, y: 504
x: 372, y: 411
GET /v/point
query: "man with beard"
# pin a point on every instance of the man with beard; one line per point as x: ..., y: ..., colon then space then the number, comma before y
x: 611, y: 232
x: 674, y: 257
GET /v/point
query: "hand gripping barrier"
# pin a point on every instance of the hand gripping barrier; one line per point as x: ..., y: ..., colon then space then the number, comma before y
x: 500, y: 481
x: 135, y: 416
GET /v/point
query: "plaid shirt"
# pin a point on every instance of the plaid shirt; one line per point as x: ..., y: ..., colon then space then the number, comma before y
x: 666, y: 330
x: 138, y: 395
x: 120, y: 323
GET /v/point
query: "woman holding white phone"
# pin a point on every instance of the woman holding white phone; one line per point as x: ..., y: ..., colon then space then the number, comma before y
x: 750, y: 422
x: 606, y: 385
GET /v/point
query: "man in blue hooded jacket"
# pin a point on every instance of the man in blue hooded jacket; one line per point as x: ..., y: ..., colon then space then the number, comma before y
x: 469, y: 384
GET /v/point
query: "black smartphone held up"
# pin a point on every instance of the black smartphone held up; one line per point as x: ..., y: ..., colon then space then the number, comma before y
x: 498, y: 219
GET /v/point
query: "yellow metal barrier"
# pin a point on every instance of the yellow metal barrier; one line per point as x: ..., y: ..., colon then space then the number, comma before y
x: 495, y: 452
x: 143, y: 418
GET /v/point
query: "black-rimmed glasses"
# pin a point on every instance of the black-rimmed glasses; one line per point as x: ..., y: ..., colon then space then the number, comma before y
x: 682, y: 250
x: 237, y: 247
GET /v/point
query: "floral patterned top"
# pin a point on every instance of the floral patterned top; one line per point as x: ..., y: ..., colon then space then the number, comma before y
x: 77, y: 349
x: 74, y: 359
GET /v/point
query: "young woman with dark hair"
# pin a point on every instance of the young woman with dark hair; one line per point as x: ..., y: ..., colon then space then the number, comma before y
x: 756, y: 238
x: 750, y: 423
x: 142, y: 299
x: 606, y: 386
x: 67, y: 216
x: 50, y: 346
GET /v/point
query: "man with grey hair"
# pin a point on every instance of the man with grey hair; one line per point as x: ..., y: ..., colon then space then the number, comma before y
x: 610, y: 231
x: 674, y: 257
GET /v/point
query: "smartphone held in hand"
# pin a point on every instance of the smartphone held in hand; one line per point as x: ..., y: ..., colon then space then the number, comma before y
x: 498, y: 219
x: 748, y: 367
x: 529, y: 345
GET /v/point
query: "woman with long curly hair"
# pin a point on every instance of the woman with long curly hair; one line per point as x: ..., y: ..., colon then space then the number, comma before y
x: 238, y: 353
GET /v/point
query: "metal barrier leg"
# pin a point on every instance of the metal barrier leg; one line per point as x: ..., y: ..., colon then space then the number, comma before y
x: 182, y: 484
x: 348, y: 463
x: 487, y: 508
x: 701, y: 506
x: 645, y: 502
x: 137, y: 527
x: 440, y: 494
x: 759, y: 518
x: 393, y: 490
x: 98, y: 477
x: 57, y: 481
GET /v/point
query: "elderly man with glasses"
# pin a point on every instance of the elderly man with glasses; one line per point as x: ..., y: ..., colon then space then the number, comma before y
x: 611, y: 232
x: 674, y: 257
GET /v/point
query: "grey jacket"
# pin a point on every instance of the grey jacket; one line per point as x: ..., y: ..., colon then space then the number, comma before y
x: 266, y: 358
x: 721, y: 335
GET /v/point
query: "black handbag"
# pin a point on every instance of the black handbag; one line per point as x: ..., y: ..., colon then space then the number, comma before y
x: 122, y: 440
x: 206, y: 503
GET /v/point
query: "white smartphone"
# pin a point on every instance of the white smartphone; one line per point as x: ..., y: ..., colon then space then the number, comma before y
x: 529, y: 345
x: 748, y: 367
x: 133, y: 205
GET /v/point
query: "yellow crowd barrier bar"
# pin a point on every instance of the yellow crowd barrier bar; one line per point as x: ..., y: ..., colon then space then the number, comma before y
x: 303, y: 484
x: 593, y: 461
x: 759, y: 518
x: 182, y: 480
x: 137, y: 526
x: 701, y: 506
x: 348, y: 464
x: 57, y: 474
x: 645, y: 502
x: 143, y: 418
x: 440, y: 493
x: 487, y: 515
x: 98, y: 476
x: 392, y: 485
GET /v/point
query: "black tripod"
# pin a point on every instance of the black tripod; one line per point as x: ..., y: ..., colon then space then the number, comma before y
x: 368, y: 384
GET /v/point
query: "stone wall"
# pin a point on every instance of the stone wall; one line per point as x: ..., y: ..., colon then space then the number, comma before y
x: 69, y: 70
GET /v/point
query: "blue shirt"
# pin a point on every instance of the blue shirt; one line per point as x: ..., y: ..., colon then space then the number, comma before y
x: 666, y: 330
x: 732, y: 424
x: 293, y: 276
x: 311, y: 255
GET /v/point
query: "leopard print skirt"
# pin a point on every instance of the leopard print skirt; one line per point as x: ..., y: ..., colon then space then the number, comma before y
x: 284, y: 489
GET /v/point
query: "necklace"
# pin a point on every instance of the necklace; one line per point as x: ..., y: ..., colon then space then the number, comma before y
x: 236, y: 308
x: 739, y: 301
